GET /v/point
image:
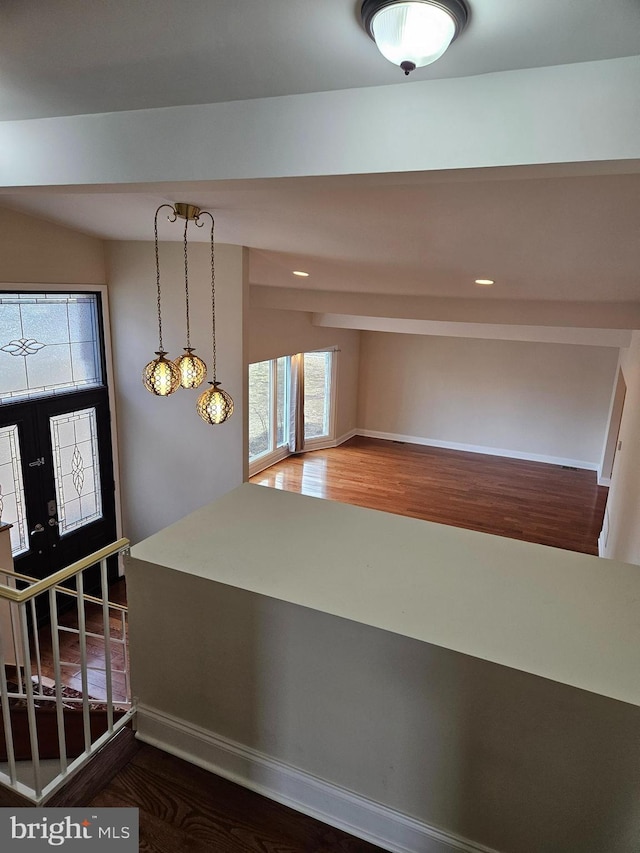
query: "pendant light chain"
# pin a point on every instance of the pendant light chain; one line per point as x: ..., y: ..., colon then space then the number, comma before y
x: 186, y: 282
x: 155, y: 234
x: 155, y: 228
x: 160, y: 376
x: 213, y: 296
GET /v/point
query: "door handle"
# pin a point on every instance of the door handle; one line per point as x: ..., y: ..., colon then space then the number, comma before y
x: 52, y: 522
x: 39, y: 528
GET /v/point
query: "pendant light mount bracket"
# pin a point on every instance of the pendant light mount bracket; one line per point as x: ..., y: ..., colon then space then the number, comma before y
x: 186, y: 211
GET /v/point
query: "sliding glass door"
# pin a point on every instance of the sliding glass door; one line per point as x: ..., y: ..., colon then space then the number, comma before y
x: 268, y: 407
x: 275, y: 402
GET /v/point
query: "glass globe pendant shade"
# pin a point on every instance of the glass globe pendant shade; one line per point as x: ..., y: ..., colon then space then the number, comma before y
x: 214, y: 405
x: 414, y: 33
x: 191, y: 368
x: 161, y: 376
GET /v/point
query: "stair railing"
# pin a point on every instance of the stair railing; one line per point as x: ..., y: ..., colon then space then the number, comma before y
x: 34, y: 619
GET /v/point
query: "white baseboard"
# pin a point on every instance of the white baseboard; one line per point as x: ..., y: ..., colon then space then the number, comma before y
x: 475, y: 448
x: 336, y: 806
x: 347, y: 435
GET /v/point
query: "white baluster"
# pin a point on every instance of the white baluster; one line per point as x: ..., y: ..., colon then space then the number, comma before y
x: 6, y: 717
x: 31, y: 708
x: 107, y: 641
x: 82, y: 636
x: 57, y: 670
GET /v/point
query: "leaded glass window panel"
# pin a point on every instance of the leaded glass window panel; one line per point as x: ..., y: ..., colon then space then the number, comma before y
x: 76, y: 469
x: 12, y: 509
x: 49, y: 344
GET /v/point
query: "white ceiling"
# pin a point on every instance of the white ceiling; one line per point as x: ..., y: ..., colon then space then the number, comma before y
x: 559, y: 238
x: 64, y: 57
x: 541, y: 233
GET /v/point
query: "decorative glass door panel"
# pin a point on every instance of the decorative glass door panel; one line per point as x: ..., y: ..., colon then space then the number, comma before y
x: 12, y: 499
x: 76, y: 469
x: 49, y: 344
x: 56, y: 466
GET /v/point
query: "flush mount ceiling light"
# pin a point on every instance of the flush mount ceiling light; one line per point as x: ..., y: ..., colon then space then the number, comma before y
x: 484, y: 282
x: 413, y: 33
x: 301, y: 273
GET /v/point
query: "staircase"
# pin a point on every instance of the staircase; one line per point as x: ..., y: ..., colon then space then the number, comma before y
x: 48, y: 729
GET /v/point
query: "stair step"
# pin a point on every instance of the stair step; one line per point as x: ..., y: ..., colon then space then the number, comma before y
x: 47, y: 729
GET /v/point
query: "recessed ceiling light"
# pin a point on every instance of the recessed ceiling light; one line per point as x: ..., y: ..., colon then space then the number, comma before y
x: 301, y: 273
x: 485, y: 282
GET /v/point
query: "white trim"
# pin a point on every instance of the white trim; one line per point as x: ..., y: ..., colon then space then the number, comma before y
x: 604, y: 481
x: 475, y: 448
x: 345, y: 437
x: 268, y: 460
x: 293, y: 787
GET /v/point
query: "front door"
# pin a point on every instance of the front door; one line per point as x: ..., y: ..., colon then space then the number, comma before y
x: 56, y: 466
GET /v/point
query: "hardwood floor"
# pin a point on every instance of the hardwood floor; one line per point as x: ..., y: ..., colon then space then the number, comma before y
x: 532, y: 501
x: 184, y: 809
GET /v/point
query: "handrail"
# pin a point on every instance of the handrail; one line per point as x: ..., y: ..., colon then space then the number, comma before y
x: 63, y: 590
x: 19, y: 596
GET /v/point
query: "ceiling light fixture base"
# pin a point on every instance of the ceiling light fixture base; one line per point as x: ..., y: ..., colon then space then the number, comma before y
x: 413, y: 33
x: 186, y: 211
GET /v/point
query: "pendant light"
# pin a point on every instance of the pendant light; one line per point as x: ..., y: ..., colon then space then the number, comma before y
x: 160, y: 376
x: 214, y: 405
x: 190, y: 367
x: 413, y: 33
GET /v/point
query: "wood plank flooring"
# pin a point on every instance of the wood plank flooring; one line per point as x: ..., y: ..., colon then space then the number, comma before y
x: 184, y: 809
x: 524, y: 500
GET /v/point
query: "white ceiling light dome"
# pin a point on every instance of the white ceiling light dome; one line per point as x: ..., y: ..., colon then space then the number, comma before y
x: 413, y: 33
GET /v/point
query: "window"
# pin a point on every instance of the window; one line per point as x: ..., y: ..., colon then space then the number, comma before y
x: 49, y: 344
x: 271, y: 407
x: 268, y: 406
x: 260, y: 395
x: 317, y: 394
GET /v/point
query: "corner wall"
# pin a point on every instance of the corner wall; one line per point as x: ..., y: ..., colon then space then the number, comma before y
x: 547, y: 401
x: 171, y: 462
x: 37, y: 251
x: 622, y: 516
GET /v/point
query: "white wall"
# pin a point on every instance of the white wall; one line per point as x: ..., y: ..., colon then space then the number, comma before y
x: 37, y: 251
x: 171, y: 462
x: 273, y: 333
x: 510, y: 760
x: 582, y: 112
x: 548, y: 400
x: 623, y: 505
